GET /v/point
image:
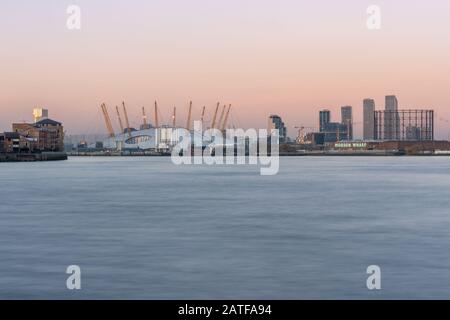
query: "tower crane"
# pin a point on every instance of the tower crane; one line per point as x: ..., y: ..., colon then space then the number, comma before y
x: 301, y: 133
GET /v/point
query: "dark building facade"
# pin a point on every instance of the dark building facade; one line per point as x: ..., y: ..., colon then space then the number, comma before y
x: 10, y: 142
x: 324, y: 118
x: 347, y: 119
x: 334, y: 132
x: 275, y: 122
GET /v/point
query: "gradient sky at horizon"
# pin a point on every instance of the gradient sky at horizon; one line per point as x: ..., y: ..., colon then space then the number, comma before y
x: 286, y: 57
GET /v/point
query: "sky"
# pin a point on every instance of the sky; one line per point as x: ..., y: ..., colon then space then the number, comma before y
x: 285, y: 57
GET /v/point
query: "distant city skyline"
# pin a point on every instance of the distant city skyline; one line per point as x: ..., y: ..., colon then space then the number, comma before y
x: 290, y: 58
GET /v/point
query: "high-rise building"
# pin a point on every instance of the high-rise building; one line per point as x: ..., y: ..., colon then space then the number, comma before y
x: 324, y: 118
x: 40, y: 114
x: 392, y: 123
x: 275, y: 122
x: 347, y: 119
x: 369, y: 119
x: 391, y: 103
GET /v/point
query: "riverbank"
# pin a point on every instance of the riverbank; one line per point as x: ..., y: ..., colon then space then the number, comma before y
x: 315, y: 153
x: 32, y: 157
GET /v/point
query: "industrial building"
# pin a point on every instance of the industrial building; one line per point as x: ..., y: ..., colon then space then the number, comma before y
x: 394, y: 124
x: 401, y: 125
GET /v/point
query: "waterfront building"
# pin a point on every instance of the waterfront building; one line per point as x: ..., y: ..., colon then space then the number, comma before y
x: 43, y: 135
x: 369, y: 119
x: 413, y: 125
x: 275, y: 122
x: 10, y: 142
x: 334, y: 132
x: 347, y: 119
x: 324, y: 118
x: 316, y: 138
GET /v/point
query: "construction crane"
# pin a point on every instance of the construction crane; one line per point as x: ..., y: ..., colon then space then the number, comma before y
x: 203, y: 113
x: 174, y: 117
x: 156, y: 115
x: 215, y: 116
x: 108, y: 123
x: 226, y: 118
x: 301, y: 133
x: 120, y: 120
x: 188, y: 125
x: 144, y: 118
x: 126, y: 119
x: 221, y: 117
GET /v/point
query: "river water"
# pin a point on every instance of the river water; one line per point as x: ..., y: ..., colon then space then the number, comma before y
x: 144, y: 228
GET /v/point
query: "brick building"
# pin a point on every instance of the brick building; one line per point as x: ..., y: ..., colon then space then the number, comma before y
x: 44, y: 135
x: 10, y: 142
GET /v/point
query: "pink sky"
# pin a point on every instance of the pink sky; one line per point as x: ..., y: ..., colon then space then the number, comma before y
x: 289, y: 57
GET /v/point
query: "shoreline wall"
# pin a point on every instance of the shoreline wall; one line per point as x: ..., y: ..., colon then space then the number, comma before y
x: 32, y: 157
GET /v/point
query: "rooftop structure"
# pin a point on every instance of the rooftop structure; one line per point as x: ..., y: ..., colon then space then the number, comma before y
x: 39, y: 114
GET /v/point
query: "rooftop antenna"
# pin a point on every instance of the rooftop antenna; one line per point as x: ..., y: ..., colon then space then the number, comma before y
x: 156, y: 115
x: 174, y: 117
x: 144, y: 118
x: 126, y: 119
